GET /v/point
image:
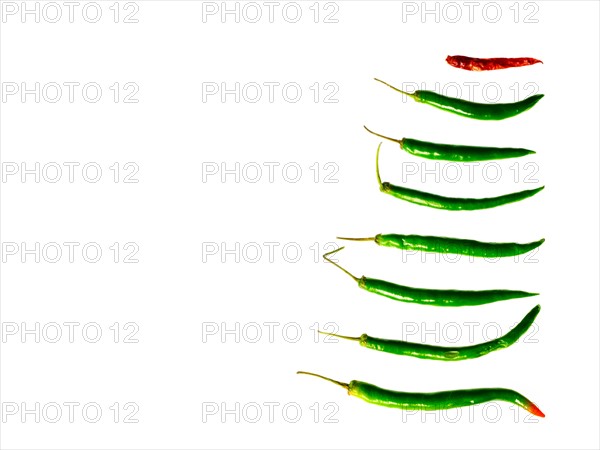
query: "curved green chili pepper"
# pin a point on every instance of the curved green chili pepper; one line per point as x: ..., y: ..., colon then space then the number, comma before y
x: 481, y: 111
x: 440, y: 353
x: 438, y: 244
x: 431, y: 401
x: 433, y: 297
x: 449, y: 203
x: 460, y: 153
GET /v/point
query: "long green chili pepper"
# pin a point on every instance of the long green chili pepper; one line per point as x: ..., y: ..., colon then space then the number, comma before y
x: 449, y: 203
x: 433, y: 297
x: 481, y: 111
x: 431, y: 401
x: 438, y: 244
x: 440, y: 353
x: 460, y: 153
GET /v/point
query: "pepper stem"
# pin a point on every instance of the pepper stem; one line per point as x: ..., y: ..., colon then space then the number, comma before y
x: 356, y: 239
x: 339, y: 383
x: 395, y: 88
x: 325, y: 257
x: 340, y: 337
x: 377, y: 167
x: 399, y: 141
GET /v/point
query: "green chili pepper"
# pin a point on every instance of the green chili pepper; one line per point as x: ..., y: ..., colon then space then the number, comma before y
x: 448, y: 152
x: 481, y: 111
x: 431, y: 401
x: 449, y: 203
x: 440, y: 353
x: 438, y: 244
x: 433, y: 297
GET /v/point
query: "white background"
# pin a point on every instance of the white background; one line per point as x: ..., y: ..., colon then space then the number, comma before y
x: 172, y: 295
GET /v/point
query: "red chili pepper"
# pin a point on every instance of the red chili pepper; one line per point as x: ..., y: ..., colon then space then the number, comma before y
x: 479, y: 64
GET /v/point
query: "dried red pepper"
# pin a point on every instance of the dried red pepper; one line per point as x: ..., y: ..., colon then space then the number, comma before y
x: 480, y: 64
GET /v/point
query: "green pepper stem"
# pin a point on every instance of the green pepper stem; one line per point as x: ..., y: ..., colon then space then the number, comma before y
x: 356, y: 239
x: 377, y: 166
x: 395, y: 88
x: 340, y: 337
x: 339, y: 383
x: 325, y: 257
x: 399, y: 141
